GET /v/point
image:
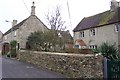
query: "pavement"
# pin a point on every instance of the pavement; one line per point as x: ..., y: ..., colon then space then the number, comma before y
x: 12, y: 68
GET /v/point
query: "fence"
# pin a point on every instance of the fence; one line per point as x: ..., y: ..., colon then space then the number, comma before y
x: 111, y: 69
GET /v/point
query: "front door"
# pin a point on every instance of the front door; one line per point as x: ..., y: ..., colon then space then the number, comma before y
x: 5, y: 48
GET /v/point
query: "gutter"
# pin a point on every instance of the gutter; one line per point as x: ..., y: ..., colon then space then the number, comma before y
x: 98, y: 26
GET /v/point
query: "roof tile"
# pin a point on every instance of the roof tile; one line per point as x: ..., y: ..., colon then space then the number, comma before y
x: 100, y: 19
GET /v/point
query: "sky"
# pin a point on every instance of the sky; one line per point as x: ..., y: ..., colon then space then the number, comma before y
x: 21, y: 9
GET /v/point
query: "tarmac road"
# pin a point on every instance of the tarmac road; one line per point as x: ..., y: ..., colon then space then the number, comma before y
x: 15, y: 69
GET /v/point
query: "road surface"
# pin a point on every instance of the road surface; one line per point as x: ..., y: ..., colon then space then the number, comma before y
x: 15, y: 69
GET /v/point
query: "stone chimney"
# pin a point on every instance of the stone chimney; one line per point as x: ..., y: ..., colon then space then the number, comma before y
x: 33, y: 9
x: 14, y: 23
x: 114, y: 5
x: 68, y: 32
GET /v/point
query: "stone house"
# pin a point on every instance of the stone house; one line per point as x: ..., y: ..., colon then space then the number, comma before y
x: 65, y: 39
x: 22, y: 30
x: 99, y: 28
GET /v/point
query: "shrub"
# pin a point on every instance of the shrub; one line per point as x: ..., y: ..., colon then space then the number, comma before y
x: 69, y: 48
x: 76, y: 50
x: 85, y: 51
x: 13, y: 48
x: 108, y: 51
x: 82, y: 51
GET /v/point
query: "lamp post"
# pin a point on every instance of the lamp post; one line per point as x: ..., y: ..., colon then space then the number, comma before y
x: 11, y: 33
x: 11, y: 28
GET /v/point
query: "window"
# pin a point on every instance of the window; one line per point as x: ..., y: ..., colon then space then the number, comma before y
x: 15, y: 34
x: 92, y: 32
x: 92, y: 46
x: 117, y: 28
x: 82, y: 34
x: 76, y: 46
x: 6, y: 37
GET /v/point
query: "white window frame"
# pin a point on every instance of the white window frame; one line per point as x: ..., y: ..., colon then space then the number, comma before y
x: 117, y: 28
x: 82, y: 34
x: 92, y: 46
x: 92, y: 32
x: 15, y: 34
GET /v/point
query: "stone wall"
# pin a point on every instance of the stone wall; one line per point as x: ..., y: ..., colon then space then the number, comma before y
x: 71, y: 65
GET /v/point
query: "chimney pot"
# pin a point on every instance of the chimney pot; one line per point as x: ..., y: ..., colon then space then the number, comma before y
x: 33, y: 9
x: 14, y: 23
x: 114, y: 5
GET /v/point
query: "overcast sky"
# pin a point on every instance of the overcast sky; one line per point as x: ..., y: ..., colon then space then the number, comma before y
x: 20, y: 10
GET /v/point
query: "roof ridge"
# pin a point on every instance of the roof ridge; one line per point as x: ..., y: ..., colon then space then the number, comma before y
x: 16, y: 26
x: 98, y: 14
x: 103, y: 18
x: 41, y: 22
x: 20, y: 23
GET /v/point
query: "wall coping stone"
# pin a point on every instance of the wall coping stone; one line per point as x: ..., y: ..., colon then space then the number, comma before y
x: 64, y: 54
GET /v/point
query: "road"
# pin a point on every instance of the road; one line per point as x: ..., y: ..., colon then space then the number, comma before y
x: 15, y: 69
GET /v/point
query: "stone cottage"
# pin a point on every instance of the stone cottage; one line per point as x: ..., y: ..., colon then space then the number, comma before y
x: 22, y: 30
x: 99, y: 28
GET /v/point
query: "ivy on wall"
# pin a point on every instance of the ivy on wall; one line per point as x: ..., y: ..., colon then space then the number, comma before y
x: 13, y: 48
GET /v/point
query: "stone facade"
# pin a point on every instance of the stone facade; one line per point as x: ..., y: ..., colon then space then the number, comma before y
x: 31, y: 25
x: 103, y: 27
x: 21, y: 31
x: 71, y: 65
x: 106, y: 33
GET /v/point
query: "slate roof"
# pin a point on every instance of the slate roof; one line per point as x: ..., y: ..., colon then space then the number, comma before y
x: 105, y: 18
x: 15, y: 27
x: 66, y: 34
x: 20, y: 24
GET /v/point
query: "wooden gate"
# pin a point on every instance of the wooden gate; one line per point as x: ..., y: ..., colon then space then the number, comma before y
x: 111, y: 69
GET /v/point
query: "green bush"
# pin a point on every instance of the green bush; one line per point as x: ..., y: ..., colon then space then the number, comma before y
x: 108, y: 51
x: 13, y: 48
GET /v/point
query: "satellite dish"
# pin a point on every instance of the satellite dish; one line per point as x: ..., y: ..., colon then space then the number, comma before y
x: 1, y: 34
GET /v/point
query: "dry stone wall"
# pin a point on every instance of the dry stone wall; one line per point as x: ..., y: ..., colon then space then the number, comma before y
x: 73, y: 66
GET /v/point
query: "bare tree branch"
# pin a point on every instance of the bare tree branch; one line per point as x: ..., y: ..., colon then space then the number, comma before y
x: 55, y: 20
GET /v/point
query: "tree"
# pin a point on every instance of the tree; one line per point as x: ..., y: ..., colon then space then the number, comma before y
x: 13, y: 48
x: 55, y: 20
x: 42, y: 41
x: 57, y: 25
x: 36, y: 40
x: 51, y: 38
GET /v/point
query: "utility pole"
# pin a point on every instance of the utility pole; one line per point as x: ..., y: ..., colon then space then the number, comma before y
x: 69, y: 14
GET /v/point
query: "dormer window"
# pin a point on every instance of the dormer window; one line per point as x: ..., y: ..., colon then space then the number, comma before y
x: 92, y: 32
x: 82, y: 34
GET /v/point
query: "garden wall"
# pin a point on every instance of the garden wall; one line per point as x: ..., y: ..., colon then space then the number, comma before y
x: 71, y: 65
